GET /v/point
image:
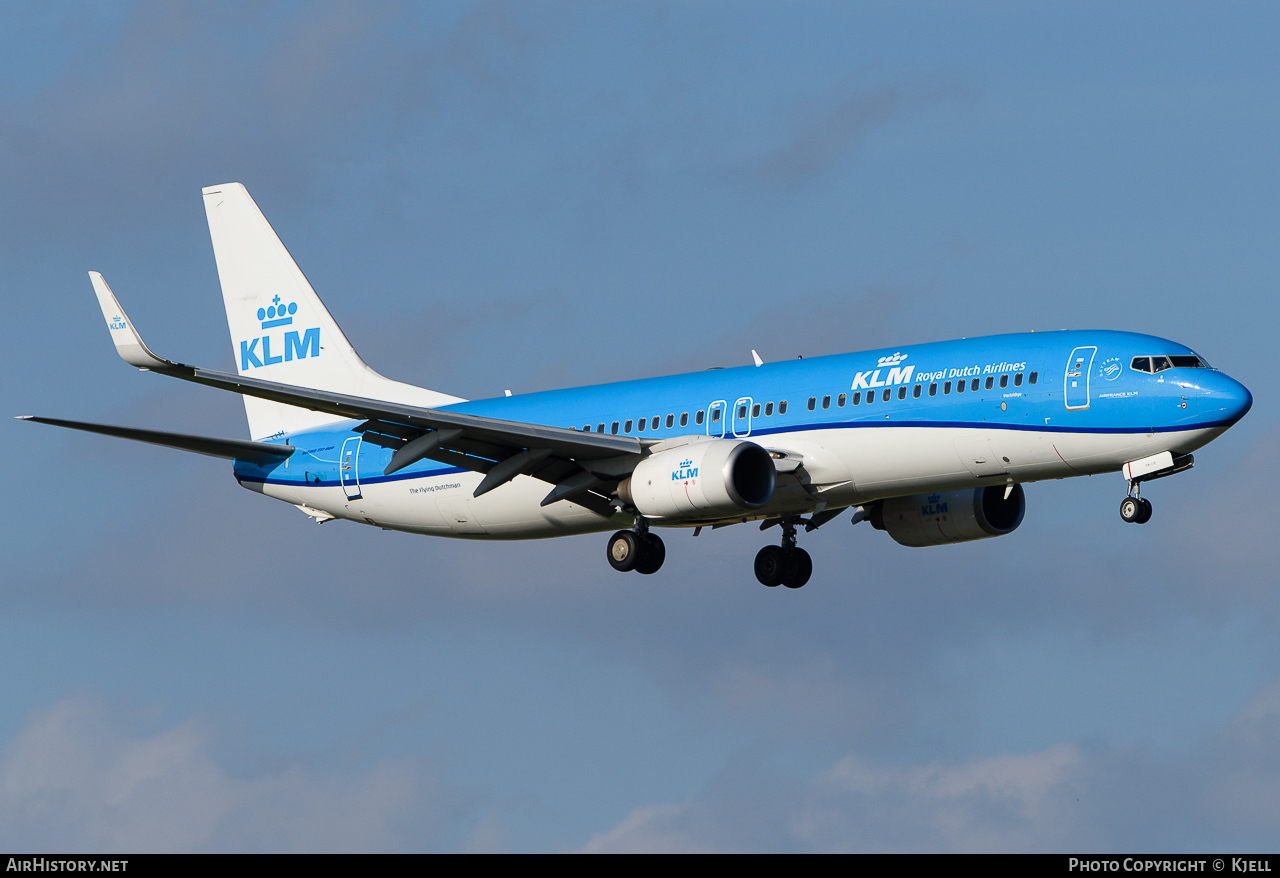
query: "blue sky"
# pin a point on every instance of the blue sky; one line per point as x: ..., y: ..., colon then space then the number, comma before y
x: 524, y: 196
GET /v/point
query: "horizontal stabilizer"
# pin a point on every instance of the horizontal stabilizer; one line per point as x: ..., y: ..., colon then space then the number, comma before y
x: 237, y: 449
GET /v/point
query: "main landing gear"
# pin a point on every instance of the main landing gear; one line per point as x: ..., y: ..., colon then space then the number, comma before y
x: 636, y: 550
x: 787, y: 564
x: 1135, y: 509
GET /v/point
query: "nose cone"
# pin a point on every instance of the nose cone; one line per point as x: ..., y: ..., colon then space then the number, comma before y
x: 1225, y: 399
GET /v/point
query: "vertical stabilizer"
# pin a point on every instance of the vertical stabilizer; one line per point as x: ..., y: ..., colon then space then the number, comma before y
x: 280, y: 330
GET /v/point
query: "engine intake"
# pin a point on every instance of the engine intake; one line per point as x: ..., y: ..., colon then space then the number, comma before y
x: 701, y: 481
x: 953, y: 517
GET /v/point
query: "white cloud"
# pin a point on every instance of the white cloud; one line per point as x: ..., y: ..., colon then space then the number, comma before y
x: 73, y: 779
x: 1001, y: 803
x: 1222, y: 794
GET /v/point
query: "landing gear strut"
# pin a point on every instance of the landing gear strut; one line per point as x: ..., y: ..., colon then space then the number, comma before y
x: 636, y: 549
x: 1135, y: 509
x: 787, y: 564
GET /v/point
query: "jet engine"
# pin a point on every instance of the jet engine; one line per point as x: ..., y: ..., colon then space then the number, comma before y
x: 952, y: 517
x: 702, y: 480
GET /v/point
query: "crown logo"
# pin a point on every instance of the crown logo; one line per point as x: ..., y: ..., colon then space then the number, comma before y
x: 686, y: 463
x: 891, y: 360
x: 277, y: 314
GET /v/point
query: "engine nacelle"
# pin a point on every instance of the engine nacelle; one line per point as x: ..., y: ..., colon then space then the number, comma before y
x: 953, y: 517
x: 716, y: 478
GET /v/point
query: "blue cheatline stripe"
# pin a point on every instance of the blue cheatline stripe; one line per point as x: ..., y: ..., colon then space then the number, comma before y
x: 371, y: 480
x: 798, y: 428
x: 983, y: 425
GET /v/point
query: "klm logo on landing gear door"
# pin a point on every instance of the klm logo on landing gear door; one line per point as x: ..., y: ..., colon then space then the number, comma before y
x: 1075, y: 383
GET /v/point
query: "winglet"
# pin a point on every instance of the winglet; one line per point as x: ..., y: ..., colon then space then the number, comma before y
x: 129, y: 345
x: 756, y: 358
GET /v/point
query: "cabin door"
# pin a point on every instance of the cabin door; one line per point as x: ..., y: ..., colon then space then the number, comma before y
x: 348, y: 467
x: 715, y: 419
x: 1075, y: 383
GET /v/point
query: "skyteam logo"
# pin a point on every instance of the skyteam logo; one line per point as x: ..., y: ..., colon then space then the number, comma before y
x: 898, y: 374
x: 296, y: 344
x: 686, y: 471
x: 1111, y: 369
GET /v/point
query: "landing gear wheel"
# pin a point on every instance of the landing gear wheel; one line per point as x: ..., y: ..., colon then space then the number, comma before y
x: 1131, y: 509
x: 1145, y: 514
x: 771, y: 565
x: 624, y: 551
x: 652, y: 554
x: 799, y: 570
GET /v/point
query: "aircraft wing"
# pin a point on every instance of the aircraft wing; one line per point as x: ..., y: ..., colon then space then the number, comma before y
x: 574, y: 462
x: 238, y: 449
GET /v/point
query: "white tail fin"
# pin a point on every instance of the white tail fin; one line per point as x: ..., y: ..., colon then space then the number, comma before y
x: 280, y: 330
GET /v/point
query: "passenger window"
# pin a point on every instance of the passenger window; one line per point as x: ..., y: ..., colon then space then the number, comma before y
x: 640, y: 424
x: 715, y: 415
x: 885, y: 395
x: 626, y: 428
x: 857, y: 397
x: 902, y: 392
x: 933, y: 389
x: 973, y: 385
x: 755, y: 410
x: 653, y: 423
x: 946, y: 388
x: 813, y: 403
x: 768, y: 409
x: 1159, y: 364
x: 840, y: 400
x: 671, y: 421
x: 915, y: 393
x: 960, y: 386
x: 586, y: 428
x: 826, y: 402
x: 1031, y: 379
x: 782, y: 407
x: 599, y: 428
x: 1004, y: 381
x: 871, y: 397
x: 990, y: 381
x: 1017, y: 380
x: 684, y: 419
x: 614, y: 428
x: 698, y: 418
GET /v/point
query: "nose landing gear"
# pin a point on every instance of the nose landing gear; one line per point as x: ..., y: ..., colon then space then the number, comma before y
x: 636, y: 550
x: 787, y: 564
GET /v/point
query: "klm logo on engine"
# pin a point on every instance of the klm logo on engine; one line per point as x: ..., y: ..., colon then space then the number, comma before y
x: 897, y: 373
x: 933, y: 505
x: 686, y: 471
x: 296, y: 344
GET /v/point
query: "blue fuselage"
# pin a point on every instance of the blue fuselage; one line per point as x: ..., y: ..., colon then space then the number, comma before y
x: 1056, y: 382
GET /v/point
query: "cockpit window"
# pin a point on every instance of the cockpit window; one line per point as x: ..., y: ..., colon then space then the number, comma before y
x: 1159, y: 364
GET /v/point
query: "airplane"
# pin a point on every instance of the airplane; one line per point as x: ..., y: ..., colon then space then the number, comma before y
x: 930, y: 443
